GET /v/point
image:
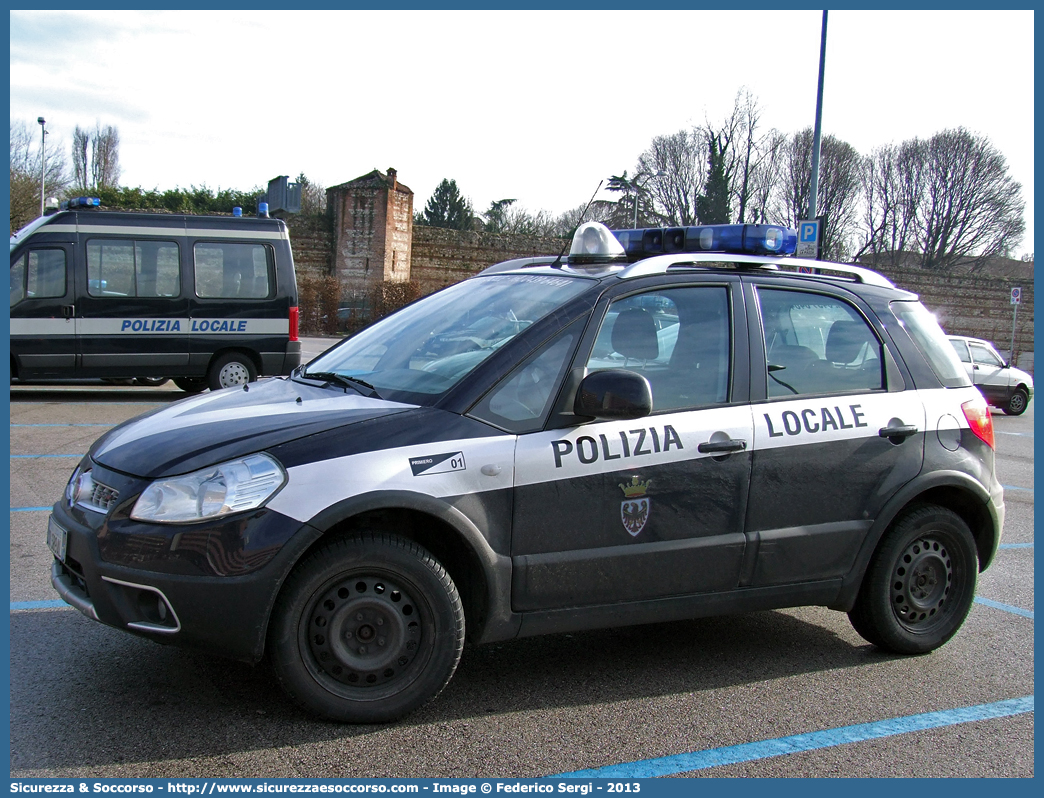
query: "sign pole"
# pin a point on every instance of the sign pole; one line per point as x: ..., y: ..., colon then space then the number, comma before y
x: 1016, y: 299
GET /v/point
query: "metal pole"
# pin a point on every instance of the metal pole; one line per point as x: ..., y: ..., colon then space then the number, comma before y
x: 813, y: 194
x: 43, y: 160
x: 1014, y: 316
x: 635, y: 227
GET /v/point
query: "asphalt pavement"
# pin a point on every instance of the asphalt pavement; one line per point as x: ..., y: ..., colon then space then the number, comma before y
x: 87, y: 700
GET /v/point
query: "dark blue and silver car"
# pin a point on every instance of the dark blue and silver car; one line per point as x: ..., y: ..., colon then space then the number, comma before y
x: 659, y: 426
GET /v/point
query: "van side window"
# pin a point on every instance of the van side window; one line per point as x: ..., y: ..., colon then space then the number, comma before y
x: 119, y: 267
x: 46, y: 276
x: 18, y: 281
x: 226, y: 270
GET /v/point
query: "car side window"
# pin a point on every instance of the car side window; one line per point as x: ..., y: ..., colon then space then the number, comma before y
x: 121, y: 268
x: 817, y: 344
x: 47, y: 273
x: 18, y: 281
x: 520, y: 402
x: 985, y: 357
x: 230, y: 270
x: 677, y: 338
x: 961, y: 349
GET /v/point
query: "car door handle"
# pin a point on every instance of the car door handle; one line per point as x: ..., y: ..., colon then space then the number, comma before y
x: 898, y: 433
x: 722, y: 447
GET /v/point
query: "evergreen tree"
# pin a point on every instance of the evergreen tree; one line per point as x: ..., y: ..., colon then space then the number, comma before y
x: 712, y: 206
x: 448, y: 208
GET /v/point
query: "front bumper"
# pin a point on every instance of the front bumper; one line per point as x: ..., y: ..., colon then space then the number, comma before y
x: 226, y: 615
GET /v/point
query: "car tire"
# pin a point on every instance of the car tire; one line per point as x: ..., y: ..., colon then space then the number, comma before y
x: 366, y: 629
x: 231, y: 370
x: 151, y: 381
x: 191, y: 384
x: 920, y: 585
x: 1018, y: 403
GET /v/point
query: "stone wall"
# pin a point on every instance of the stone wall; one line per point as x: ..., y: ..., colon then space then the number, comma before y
x: 975, y: 305
x: 312, y: 243
x: 443, y: 257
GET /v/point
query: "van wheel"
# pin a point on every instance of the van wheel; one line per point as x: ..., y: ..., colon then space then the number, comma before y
x: 191, y: 384
x: 367, y: 629
x: 920, y: 584
x: 230, y: 370
x: 151, y: 381
x: 1018, y: 403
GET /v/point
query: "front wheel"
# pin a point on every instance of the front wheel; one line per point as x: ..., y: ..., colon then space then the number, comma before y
x: 367, y: 629
x: 231, y: 370
x: 920, y: 585
x: 1018, y: 403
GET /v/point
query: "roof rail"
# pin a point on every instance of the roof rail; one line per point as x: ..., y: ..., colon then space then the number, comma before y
x: 659, y: 264
x: 518, y: 263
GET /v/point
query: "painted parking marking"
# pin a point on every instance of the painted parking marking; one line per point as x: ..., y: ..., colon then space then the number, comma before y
x: 1015, y: 546
x: 39, y: 605
x: 1006, y: 607
x: 29, y: 509
x: 40, y: 456
x: 1013, y: 487
x: 797, y: 743
x: 62, y: 425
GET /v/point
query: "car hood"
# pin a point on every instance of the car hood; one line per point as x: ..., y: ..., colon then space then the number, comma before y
x: 214, y: 427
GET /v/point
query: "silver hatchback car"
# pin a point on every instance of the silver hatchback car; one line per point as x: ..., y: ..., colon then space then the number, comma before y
x: 1002, y: 384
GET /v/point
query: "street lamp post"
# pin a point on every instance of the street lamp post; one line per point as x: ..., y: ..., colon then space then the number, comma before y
x: 43, y: 160
x: 637, y: 192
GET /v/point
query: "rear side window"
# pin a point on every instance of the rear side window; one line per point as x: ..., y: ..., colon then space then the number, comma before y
x: 932, y: 343
x: 961, y: 349
x: 232, y: 271
x: 817, y: 344
x: 125, y: 268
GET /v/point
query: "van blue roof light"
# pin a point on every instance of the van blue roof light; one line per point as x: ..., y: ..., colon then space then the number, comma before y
x: 736, y: 239
x: 237, y: 211
x: 80, y: 202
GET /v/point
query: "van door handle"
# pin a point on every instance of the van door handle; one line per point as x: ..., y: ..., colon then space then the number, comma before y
x: 722, y: 447
x: 69, y: 311
x: 898, y: 433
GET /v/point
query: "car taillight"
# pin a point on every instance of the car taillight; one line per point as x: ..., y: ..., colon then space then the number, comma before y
x: 293, y: 323
x: 979, y: 419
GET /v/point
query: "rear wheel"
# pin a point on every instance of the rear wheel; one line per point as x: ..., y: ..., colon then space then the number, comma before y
x: 230, y: 370
x: 366, y: 629
x: 1018, y: 403
x: 920, y: 584
x: 152, y: 381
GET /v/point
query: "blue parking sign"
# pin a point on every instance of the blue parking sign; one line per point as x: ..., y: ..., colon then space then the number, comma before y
x: 807, y: 232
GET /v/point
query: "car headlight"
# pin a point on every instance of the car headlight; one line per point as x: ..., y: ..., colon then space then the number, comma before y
x: 232, y: 487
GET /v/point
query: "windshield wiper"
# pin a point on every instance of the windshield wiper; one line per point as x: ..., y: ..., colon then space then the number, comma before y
x: 343, y: 379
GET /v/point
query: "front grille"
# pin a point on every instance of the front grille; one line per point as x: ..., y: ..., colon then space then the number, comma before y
x: 101, y: 498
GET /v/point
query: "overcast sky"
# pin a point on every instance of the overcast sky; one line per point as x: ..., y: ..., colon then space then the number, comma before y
x: 534, y: 105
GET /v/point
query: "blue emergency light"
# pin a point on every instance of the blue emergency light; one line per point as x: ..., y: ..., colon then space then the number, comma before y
x: 237, y: 211
x: 80, y: 202
x: 736, y: 239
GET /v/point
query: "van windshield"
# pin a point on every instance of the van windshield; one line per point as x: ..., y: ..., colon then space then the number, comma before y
x: 420, y: 352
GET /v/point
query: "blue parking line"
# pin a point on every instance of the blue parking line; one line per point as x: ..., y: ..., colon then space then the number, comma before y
x: 39, y: 605
x: 1006, y: 607
x: 63, y: 425
x: 748, y: 752
x: 28, y: 509
x: 1015, y: 546
x: 1013, y: 487
x: 40, y: 456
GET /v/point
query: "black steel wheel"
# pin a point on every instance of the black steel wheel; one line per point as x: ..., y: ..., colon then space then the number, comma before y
x: 231, y: 370
x: 367, y: 629
x: 920, y: 585
x: 1018, y: 403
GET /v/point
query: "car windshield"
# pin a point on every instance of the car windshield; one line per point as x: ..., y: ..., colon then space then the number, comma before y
x: 420, y: 352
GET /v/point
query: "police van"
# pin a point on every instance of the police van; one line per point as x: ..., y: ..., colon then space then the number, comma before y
x: 665, y: 424
x: 210, y: 301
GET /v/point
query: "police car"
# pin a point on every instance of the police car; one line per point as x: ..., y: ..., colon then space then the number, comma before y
x: 664, y: 424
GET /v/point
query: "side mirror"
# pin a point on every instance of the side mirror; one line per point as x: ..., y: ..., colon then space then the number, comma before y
x: 613, y: 394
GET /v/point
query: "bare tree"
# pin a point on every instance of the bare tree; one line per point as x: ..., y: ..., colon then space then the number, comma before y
x: 892, y: 188
x: 971, y: 207
x: 96, y: 158
x: 840, y: 189
x: 683, y: 157
x: 25, y: 173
